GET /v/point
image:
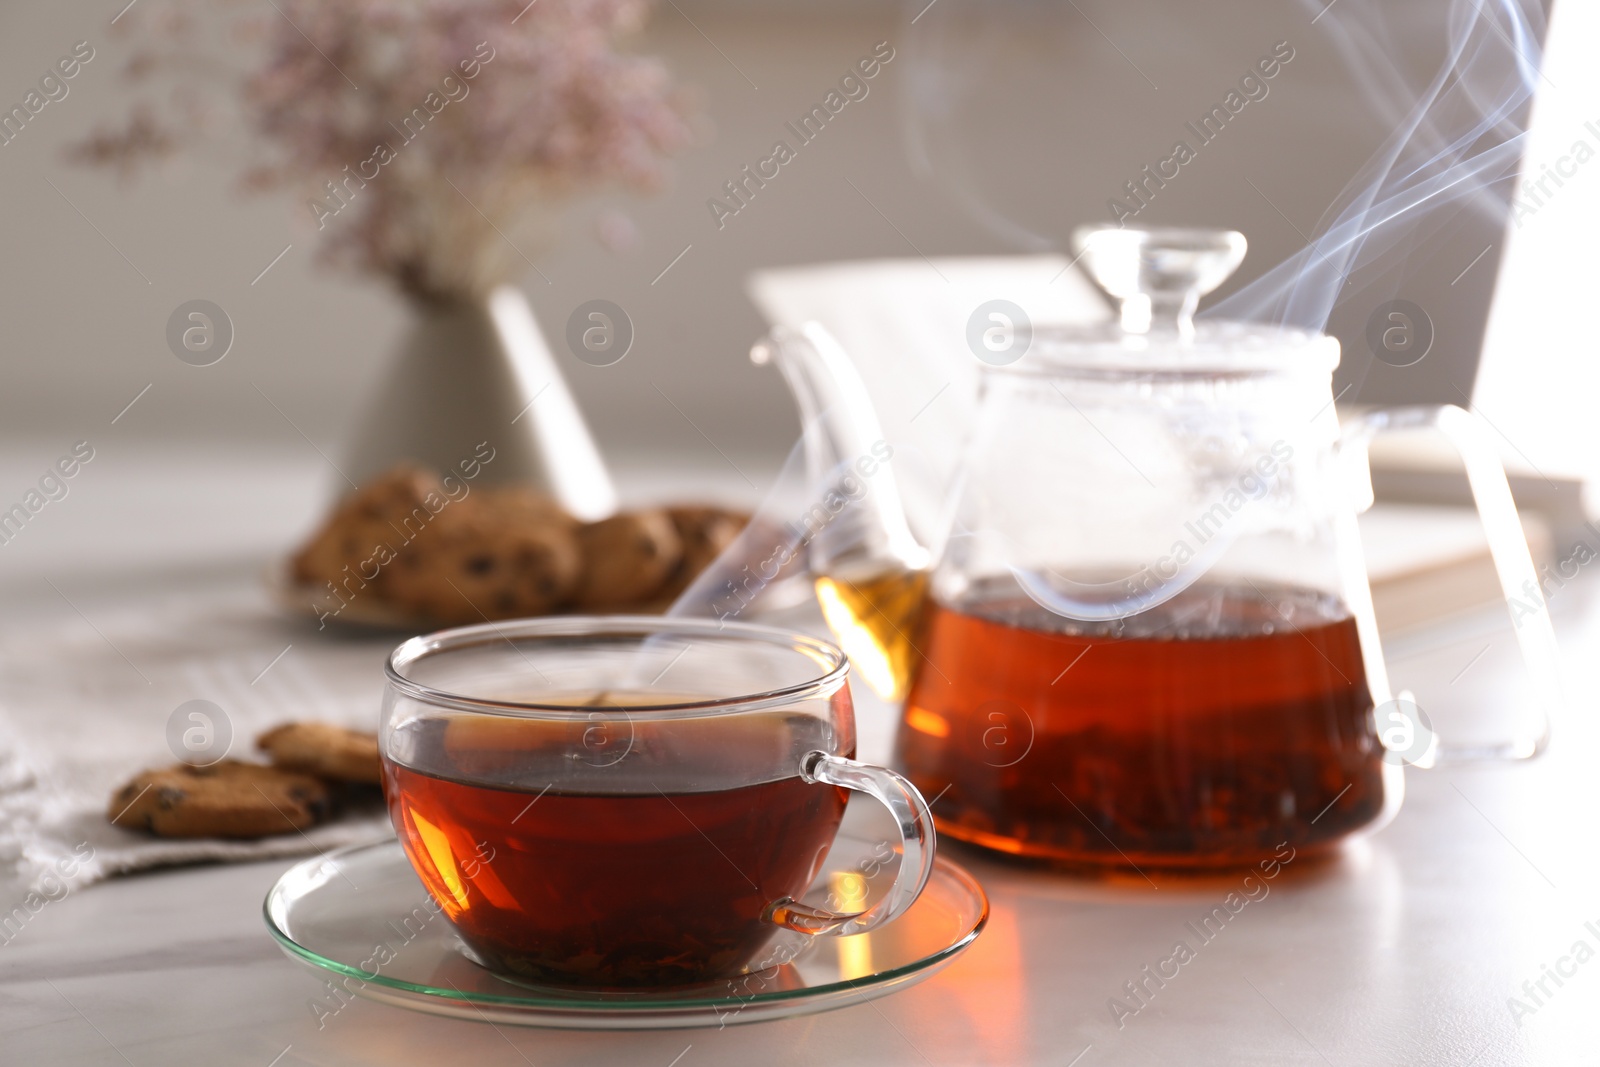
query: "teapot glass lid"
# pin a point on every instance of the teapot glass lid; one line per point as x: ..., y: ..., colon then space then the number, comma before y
x: 1157, y: 277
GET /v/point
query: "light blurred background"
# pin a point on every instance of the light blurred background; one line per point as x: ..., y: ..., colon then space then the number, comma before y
x: 1054, y: 120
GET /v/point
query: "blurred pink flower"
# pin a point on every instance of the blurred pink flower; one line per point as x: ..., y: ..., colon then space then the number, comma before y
x: 418, y: 132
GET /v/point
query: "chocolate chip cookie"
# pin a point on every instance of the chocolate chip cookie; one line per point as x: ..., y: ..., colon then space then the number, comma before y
x: 324, y: 750
x: 627, y: 558
x: 227, y: 799
x: 705, y: 532
x: 371, y: 526
x: 471, y: 564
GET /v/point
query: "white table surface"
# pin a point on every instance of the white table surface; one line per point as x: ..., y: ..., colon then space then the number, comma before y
x: 1404, y: 950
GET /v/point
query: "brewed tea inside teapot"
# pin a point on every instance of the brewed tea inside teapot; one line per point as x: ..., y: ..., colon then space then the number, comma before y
x: 1144, y: 637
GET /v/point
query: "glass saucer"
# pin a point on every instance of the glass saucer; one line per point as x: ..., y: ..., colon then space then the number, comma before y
x: 361, y: 913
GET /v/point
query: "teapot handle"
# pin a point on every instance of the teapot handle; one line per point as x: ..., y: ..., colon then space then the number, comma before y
x: 1508, y: 547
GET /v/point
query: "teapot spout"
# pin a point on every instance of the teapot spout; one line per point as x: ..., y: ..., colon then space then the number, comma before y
x: 870, y: 570
x: 847, y: 457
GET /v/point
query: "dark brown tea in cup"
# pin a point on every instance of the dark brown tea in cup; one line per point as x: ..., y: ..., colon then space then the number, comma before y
x: 616, y: 853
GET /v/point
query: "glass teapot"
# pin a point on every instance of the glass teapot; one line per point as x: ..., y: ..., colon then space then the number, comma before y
x: 1145, y: 636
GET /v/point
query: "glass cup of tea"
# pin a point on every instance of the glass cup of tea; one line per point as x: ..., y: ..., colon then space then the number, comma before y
x: 625, y: 803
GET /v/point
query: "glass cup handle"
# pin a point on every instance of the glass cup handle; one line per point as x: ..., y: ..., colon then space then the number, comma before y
x: 911, y: 815
x: 1508, y: 547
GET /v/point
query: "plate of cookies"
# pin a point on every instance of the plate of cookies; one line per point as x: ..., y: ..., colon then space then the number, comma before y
x: 415, y: 550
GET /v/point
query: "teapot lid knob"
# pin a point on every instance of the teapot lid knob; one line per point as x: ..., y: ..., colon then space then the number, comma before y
x: 1158, y: 275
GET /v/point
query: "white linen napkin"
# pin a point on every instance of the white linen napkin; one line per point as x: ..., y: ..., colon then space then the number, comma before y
x: 85, y: 706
